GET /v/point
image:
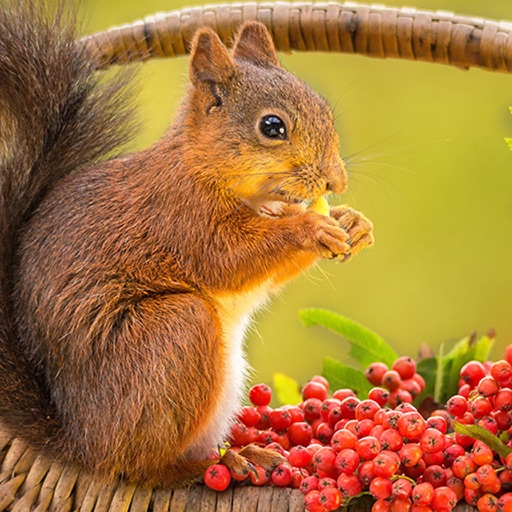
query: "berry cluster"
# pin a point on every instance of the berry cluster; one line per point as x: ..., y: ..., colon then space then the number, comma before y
x: 340, y: 446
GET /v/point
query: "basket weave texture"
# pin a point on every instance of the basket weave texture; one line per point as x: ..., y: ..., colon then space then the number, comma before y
x: 375, y: 31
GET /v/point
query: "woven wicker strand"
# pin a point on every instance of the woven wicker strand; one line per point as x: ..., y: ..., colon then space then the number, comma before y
x: 375, y: 31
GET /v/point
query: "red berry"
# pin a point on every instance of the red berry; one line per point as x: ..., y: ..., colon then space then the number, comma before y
x: 312, y: 502
x: 249, y: 416
x: 280, y: 419
x: 341, y: 394
x: 385, y: 464
x: 342, y: 439
x: 422, y: 493
x: 366, y: 472
x: 217, y: 477
x: 503, y: 400
x: 405, y: 366
x: 375, y: 372
x: 260, y: 394
x: 347, y: 461
x: 463, y: 466
x: 314, y: 390
x: 482, y: 454
x: 368, y: 447
x: 472, y: 373
x: 410, y: 454
x: 411, y: 425
x: 391, y: 380
x: 457, y: 405
x: 379, y: 395
x: 324, y: 432
x: 401, y: 488
x: 349, y: 485
x: 480, y: 407
x: 436, y: 475
x: 311, y: 408
x: 381, y: 506
x: 487, y: 503
x: 444, y: 499
x: 400, y: 505
x: 380, y: 487
x: 437, y: 422
x: 501, y: 371
x: 300, y: 433
x: 505, y: 501
x: 366, y: 409
x: 264, y: 411
x: 299, y: 457
x: 331, y: 498
x: 309, y: 483
x: 260, y: 476
x: 282, y: 475
x: 348, y: 407
x: 324, y: 459
x: 488, y: 386
x: 322, y: 380
x: 391, y: 439
x: 432, y: 441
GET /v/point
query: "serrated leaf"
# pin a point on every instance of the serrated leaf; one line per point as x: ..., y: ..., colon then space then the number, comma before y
x: 287, y: 389
x: 366, y: 346
x: 482, y: 434
x: 341, y: 376
x: 427, y: 369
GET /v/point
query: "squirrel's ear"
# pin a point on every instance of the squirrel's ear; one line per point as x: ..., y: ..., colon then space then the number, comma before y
x: 210, y: 60
x: 253, y: 43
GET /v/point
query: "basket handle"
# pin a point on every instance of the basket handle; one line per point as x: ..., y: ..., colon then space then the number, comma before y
x: 375, y: 31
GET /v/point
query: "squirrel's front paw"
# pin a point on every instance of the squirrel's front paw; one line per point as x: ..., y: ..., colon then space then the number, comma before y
x: 325, y: 236
x: 356, y: 225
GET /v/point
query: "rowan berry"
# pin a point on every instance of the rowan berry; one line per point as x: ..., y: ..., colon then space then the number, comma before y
x: 260, y: 394
x: 456, y: 485
x: 347, y: 461
x: 432, y: 441
x: 300, y: 433
x: 331, y: 498
x: 401, y: 488
x: 375, y: 372
x: 410, y: 454
x: 309, y: 483
x: 379, y: 395
x: 320, y: 379
x: 348, y: 407
x: 311, y: 408
x: 480, y: 407
x: 482, y: 454
x: 400, y: 505
x: 457, y: 405
x: 299, y: 457
x: 463, y: 466
x: 249, y: 416
x: 422, y: 493
x: 366, y: 472
x: 368, y: 447
x: 399, y: 397
x: 472, y: 373
x: 381, y: 506
x: 436, y: 475
x: 264, y: 412
x: 501, y: 371
x: 444, y: 498
x: 314, y: 389
x: 391, y: 380
x: 503, y: 400
x: 381, y: 487
x: 437, y: 422
x: 391, y: 439
x: 505, y: 502
x: 488, y: 386
x: 349, y: 485
x: 312, y: 502
x: 324, y: 459
x: 282, y: 475
x: 280, y: 419
x: 217, y: 477
x: 405, y: 366
x: 411, y: 425
x: 341, y: 394
x: 487, y: 503
x: 366, y: 409
x: 385, y: 464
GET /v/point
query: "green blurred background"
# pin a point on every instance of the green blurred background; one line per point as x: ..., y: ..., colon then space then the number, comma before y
x: 434, y: 174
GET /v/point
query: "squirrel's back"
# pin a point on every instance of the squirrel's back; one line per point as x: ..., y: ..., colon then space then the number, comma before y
x: 56, y: 116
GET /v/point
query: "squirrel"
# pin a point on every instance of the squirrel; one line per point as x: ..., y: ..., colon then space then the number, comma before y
x: 127, y: 280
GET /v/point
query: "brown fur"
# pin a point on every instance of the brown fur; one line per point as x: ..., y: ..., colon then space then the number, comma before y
x: 122, y: 269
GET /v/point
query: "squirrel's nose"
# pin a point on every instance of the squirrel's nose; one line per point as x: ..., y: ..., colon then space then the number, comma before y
x: 336, y: 176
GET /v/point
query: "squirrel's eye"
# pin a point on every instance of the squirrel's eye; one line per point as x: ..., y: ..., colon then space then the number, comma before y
x: 273, y: 127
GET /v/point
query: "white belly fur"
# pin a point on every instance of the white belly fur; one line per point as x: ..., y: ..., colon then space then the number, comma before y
x: 235, y: 310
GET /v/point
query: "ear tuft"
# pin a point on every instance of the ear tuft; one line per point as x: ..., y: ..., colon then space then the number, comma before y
x: 210, y: 60
x: 254, y: 44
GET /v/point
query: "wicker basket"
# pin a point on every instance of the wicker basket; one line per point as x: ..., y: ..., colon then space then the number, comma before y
x: 31, y: 482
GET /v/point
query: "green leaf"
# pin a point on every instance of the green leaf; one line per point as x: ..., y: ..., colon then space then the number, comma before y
x: 482, y: 434
x: 508, y: 140
x: 440, y: 375
x: 427, y: 368
x: 366, y: 347
x: 482, y: 348
x: 342, y: 376
x: 286, y: 389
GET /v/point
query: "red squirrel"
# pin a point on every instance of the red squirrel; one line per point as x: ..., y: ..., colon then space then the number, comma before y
x: 127, y: 282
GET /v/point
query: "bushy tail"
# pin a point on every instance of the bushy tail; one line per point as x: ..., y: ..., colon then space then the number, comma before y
x: 56, y: 115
